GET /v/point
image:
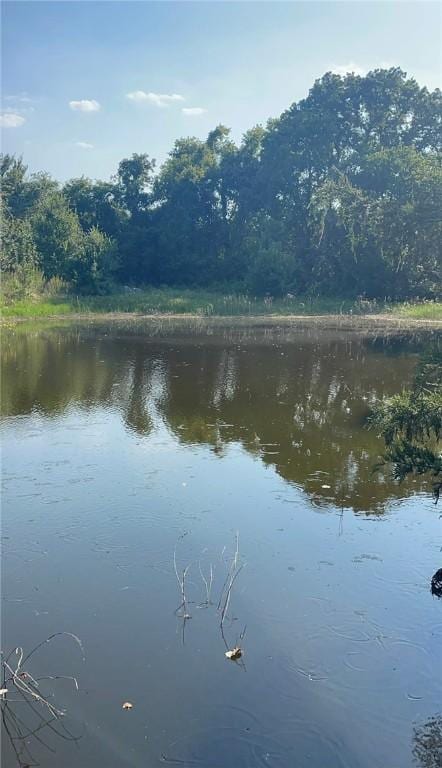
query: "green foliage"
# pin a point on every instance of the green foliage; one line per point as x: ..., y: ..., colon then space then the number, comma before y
x: 270, y: 265
x: 19, y: 193
x: 18, y: 249
x: 412, y: 417
x: 197, y: 302
x: 12, y: 174
x: 385, y: 231
x: 411, y: 424
x: 133, y: 180
x: 96, y: 265
x: 270, y: 272
x: 25, y: 282
x: 340, y: 195
x: 86, y: 260
x: 95, y: 204
x: 31, y: 308
x: 419, y: 310
x: 58, y: 237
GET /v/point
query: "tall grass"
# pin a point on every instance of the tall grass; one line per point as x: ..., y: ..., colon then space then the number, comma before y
x: 424, y: 310
x: 204, y: 303
x: 36, y: 308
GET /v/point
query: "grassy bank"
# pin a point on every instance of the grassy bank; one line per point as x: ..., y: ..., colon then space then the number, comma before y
x: 202, y: 303
x: 426, y: 310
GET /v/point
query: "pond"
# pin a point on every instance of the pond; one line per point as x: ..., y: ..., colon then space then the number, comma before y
x: 234, y: 467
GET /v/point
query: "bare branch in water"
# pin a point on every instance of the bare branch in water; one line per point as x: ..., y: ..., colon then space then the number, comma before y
x: 207, y: 583
x: 231, y: 570
x: 228, y: 593
x: 19, y: 680
x: 181, y: 583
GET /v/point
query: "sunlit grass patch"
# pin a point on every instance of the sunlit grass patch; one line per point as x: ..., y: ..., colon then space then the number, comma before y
x: 28, y: 308
x: 206, y: 303
x: 425, y: 310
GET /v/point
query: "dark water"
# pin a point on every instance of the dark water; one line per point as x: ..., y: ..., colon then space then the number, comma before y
x: 121, y: 446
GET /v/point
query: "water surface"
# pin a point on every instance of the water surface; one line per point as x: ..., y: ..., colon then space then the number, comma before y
x: 122, y: 446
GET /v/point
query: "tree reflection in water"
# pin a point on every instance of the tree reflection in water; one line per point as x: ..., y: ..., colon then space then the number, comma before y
x: 305, y: 393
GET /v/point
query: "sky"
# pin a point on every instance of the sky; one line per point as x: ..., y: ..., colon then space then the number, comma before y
x: 85, y: 84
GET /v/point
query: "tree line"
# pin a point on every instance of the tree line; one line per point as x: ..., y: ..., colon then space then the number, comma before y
x: 340, y: 195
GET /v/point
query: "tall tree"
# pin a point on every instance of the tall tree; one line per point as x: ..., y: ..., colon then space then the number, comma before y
x: 386, y: 231
x: 96, y: 204
x: 58, y: 237
x: 134, y: 179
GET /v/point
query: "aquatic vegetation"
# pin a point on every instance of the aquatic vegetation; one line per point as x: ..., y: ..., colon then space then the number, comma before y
x: 411, y: 424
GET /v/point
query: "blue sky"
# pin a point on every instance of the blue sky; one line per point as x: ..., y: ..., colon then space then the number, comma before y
x: 88, y: 83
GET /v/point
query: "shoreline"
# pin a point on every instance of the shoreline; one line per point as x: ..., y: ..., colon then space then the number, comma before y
x: 324, y: 320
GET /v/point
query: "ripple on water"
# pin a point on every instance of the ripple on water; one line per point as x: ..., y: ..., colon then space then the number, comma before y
x: 253, y: 746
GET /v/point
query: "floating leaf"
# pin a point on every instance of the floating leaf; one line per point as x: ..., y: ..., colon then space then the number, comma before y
x: 235, y: 654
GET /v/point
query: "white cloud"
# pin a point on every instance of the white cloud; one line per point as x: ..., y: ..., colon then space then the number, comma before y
x: 159, y: 99
x: 346, y: 69
x: 85, y: 105
x: 84, y: 145
x: 137, y: 96
x: 21, y: 97
x: 193, y: 110
x: 11, y: 120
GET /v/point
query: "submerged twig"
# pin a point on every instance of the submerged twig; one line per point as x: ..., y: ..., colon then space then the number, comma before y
x: 228, y: 593
x: 231, y: 577
x: 182, y: 585
x: 207, y: 583
x: 235, y: 569
x: 232, y: 568
x: 19, y: 680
